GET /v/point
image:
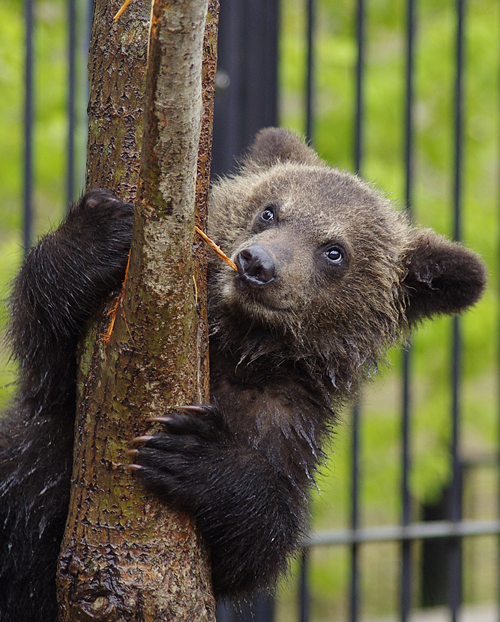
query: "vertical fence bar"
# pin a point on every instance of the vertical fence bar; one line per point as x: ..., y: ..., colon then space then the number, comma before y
x: 28, y: 126
x: 310, y: 71
x: 360, y: 35
x: 304, y: 597
x: 455, y: 573
x: 405, y: 587
x: 410, y: 52
x: 498, y: 415
x: 70, y: 172
x: 272, y: 60
x: 455, y: 570
x: 405, y: 596
x: 498, y: 431
x: 354, y: 585
x: 358, y: 154
x: 246, y: 91
x: 259, y: 52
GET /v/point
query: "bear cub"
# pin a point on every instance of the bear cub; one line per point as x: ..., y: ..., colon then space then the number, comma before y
x: 329, y: 276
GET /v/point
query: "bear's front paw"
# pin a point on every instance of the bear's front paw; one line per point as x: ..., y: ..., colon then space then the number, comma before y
x: 102, y: 201
x: 99, y: 224
x: 93, y: 244
x: 177, y: 463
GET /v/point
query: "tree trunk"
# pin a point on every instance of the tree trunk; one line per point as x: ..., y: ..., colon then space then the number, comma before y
x: 125, y: 556
x: 117, y: 76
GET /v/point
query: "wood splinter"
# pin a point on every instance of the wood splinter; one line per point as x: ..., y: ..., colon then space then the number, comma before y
x: 122, y: 10
x: 114, y: 309
x: 119, y: 300
x: 216, y: 249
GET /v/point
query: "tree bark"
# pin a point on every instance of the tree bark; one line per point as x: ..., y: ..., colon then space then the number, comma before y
x: 117, y: 77
x: 125, y: 556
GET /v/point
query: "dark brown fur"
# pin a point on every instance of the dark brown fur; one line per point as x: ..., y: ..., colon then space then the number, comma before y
x: 330, y: 276
x: 292, y: 336
x: 339, y: 321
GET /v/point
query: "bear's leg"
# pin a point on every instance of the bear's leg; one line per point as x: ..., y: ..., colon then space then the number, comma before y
x: 251, y: 516
x: 61, y: 283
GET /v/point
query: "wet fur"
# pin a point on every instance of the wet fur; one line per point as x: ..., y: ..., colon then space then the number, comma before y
x: 284, y: 357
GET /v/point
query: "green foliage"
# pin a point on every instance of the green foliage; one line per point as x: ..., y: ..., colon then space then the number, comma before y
x: 383, y: 155
x: 11, y: 111
x: 49, y: 136
x: 49, y: 93
x: 432, y: 205
x: 383, y: 162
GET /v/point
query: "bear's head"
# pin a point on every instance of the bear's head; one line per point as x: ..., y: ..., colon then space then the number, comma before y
x: 326, y: 264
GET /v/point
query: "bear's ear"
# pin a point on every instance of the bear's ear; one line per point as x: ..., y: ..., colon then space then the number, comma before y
x: 443, y: 277
x: 274, y: 145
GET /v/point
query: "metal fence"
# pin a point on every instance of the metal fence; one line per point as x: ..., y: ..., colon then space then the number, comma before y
x: 451, y: 529
x: 249, y: 97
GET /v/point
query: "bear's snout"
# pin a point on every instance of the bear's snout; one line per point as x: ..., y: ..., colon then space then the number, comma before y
x: 256, y: 266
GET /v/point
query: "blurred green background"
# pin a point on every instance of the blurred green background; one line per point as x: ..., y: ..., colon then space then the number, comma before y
x: 383, y: 163
x: 336, y: 51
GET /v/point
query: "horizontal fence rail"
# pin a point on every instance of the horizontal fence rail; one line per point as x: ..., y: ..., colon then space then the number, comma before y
x: 412, y: 531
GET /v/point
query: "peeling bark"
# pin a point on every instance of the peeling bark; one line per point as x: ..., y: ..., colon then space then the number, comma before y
x: 126, y: 556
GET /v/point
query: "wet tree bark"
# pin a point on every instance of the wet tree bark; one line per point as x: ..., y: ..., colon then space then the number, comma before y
x: 125, y: 556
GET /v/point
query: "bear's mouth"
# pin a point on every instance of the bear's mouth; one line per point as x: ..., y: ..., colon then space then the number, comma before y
x: 256, y: 280
x: 257, y: 298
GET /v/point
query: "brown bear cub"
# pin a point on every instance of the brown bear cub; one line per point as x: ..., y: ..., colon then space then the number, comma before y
x: 329, y: 276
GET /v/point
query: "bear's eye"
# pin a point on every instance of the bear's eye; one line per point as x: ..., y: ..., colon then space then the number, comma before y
x: 267, y: 218
x: 335, y: 255
x: 268, y: 214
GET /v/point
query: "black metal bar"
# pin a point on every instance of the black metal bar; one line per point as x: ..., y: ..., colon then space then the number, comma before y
x: 304, y: 597
x: 229, y: 106
x: 456, y: 492
x: 409, y: 200
x: 70, y: 172
x: 358, y: 154
x: 354, y: 583
x: 360, y: 35
x: 459, y: 120
x: 409, y: 130
x: 498, y: 448
x: 246, y: 87
x: 310, y: 71
x: 273, y: 21
x: 405, y: 587
x: 259, y: 65
x: 498, y: 458
x: 28, y: 126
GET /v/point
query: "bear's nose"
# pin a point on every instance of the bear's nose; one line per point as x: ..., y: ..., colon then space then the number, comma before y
x: 256, y: 266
